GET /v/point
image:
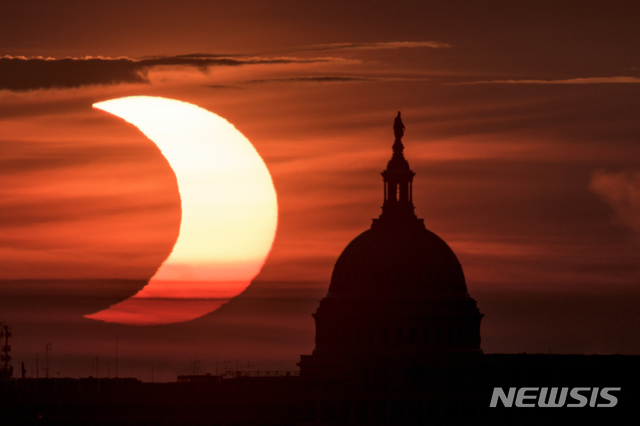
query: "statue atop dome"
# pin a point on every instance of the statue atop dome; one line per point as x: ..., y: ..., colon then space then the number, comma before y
x: 398, y: 127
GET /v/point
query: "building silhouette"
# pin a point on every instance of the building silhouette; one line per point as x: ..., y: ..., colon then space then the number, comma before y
x: 398, y: 336
x: 397, y: 300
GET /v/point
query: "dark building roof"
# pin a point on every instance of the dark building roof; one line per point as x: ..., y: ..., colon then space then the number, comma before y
x: 397, y: 259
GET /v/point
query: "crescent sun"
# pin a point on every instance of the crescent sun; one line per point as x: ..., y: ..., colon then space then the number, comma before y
x: 229, y: 212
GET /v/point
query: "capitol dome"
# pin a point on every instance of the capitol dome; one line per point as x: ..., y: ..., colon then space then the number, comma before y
x: 390, y: 259
x: 397, y: 295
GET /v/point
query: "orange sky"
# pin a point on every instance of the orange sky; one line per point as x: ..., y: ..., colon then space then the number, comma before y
x: 522, y: 126
x: 520, y: 173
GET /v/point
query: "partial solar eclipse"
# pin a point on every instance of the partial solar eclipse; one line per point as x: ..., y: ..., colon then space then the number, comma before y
x: 229, y: 212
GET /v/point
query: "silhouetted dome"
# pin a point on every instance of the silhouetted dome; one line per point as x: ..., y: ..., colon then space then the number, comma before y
x: 394, y: 257
x: 397, y: 301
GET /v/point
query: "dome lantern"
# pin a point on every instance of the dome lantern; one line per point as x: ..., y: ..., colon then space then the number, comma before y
x: 398, y: 180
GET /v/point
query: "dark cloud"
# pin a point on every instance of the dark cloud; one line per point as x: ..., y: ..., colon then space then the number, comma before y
x: 370, y: 46
x: 22, y: 74
x: 325, y: 79
x: 223, y: 86
x: 330, y: 79
x: 199, y: 56
x: 206, y: 61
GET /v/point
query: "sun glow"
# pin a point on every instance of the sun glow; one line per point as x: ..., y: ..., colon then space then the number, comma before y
x: 229, y: 207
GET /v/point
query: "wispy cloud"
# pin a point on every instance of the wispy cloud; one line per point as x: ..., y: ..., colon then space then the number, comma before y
x: 207, y: 61
x: 370, y: 46
x: 587, y: 80
x: 23, y: 74
x: 322, y: 79
x: 223, y: 86
x: 329, y: 79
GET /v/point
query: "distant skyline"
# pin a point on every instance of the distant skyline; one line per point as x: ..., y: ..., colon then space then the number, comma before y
x: 521, y: 125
